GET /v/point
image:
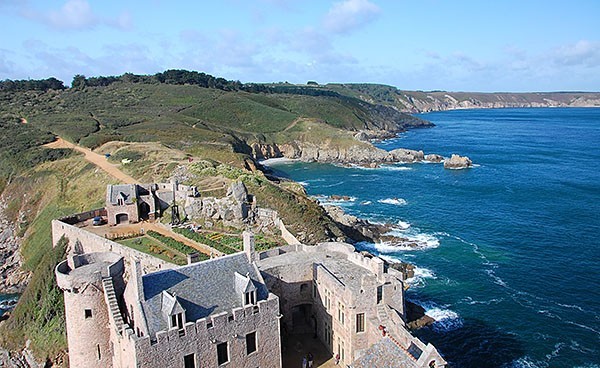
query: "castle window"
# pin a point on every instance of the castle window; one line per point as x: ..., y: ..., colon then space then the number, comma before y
x: 120, y: 201
x: 251, y: 343
x: 189, y: 361
x: 341, y: 313
x: 250, y: 298
x: 177, y: 320
x: 87, y: 313
x: 222, y: 353
x: 360, y: 322
x: 209, y: 325
x: 99, y: 356
x: 303, y: 287
x: 230, y: 318
x: 314, y: 290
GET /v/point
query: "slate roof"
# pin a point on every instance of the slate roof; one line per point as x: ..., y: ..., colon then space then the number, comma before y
x: 125, y: 191
x: 202, y: 288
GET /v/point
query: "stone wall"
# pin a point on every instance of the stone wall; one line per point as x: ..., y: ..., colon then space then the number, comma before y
x: 83, y: 241
x: 168, y: 348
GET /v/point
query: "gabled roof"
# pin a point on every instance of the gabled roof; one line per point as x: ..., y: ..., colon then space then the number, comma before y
x: 243, y: 284
x: 170, y: 305
x: 127, y: 192
x: 201, y: 289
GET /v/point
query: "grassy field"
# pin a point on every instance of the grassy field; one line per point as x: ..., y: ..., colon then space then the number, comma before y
x: 149, y: 245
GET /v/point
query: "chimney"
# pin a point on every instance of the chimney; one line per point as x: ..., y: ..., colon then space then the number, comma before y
x: 249, y: 245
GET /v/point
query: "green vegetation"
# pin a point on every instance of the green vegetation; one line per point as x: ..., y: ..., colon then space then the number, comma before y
x: 147, y: 244
x: 39, y: 315
x: 203, y: 239
x: 176, y: 244
x: 48, y: 191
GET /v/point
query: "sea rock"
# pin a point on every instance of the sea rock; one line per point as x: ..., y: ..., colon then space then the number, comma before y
x: 457, y: 162
x: 416, y: 317
x: 406, y: 155
x: 432, y: 157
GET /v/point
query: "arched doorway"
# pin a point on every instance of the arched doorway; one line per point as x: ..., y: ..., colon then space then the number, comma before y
x: 122, y: 218
x: 144, y: 210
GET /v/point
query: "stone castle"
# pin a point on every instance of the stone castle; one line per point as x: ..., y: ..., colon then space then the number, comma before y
x: 125, y: 308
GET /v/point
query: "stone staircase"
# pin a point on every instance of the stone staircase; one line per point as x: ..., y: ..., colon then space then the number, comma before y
x: 113, y: 306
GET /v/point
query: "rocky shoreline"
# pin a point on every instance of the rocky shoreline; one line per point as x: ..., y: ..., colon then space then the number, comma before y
x: 13, y: 279
x: 360, y: 154
x: 357, y: 229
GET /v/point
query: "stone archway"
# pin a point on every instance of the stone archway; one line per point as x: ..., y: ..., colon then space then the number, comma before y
x: 122, y: 218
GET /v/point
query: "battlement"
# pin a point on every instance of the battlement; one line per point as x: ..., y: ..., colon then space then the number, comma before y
x: 78, y: 271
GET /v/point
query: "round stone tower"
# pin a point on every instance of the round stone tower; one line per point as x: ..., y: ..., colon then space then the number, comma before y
x: 83, y: 279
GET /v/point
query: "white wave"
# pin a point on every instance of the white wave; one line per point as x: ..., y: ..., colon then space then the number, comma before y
x: 395, y: 168
x: 420, y: 274
x: 403, y: 225
x: 497, y: 280
x: 394, y: 201
x: 303, y: 183
x: 278, y: 160
x: 337, y: 201
x: 445, y: 319
x: 412, y: 235
x: 525, y: 362
x: 470, y: 301
x: 366, y: 203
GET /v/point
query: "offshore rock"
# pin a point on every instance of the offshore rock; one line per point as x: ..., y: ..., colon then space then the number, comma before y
x: 416, y: 317
x: 432, y: 157
x: 457, y: 162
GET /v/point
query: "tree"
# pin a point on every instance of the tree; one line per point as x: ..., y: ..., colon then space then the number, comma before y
x: 78, y: 82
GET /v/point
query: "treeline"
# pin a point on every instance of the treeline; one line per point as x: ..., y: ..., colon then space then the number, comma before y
x: 172, y: 76
x: 182, y: 77
x: 31, y: 85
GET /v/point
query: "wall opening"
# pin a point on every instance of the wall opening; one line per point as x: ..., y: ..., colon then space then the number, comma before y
x: 122, y: 218
x: 251, y: 343
x: 87, y: 313
x: 222, y: 353
x: 189, y: 361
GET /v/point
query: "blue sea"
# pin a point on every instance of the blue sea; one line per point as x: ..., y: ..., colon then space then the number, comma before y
x: 509, y: 261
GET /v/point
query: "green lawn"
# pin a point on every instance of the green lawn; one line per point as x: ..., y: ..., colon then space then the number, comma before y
x: 149, y: 245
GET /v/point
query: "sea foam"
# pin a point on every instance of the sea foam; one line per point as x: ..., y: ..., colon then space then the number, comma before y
x: 394, y: 201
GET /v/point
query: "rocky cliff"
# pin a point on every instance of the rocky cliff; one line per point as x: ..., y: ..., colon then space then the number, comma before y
x: 412, y: 101
x: 359, y: 153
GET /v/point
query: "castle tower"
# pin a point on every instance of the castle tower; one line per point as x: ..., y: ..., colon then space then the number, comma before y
x: 83, y: 279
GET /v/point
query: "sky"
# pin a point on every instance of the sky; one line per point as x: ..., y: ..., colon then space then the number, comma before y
x: 453, y: 45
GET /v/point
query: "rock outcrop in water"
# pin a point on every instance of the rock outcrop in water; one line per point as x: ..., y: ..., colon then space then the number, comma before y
x: 457, y: 162
x: 361, y: 153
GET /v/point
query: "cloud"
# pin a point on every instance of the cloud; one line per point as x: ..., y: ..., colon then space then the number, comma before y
x: 76, y: 15
x: 583, y: 53
x: 349, y: 15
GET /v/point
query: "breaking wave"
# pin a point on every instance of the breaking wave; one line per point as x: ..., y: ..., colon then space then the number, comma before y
x: 394, y: 201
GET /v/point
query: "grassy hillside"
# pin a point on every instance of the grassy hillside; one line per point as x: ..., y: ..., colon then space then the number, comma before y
x: 201, y: 132
x: 46, y: 192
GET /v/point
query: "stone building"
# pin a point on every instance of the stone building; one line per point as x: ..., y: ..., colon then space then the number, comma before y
x: 213, y: 313
x: 128, y: 309
x: 131, y: 203
x: 353, y: 303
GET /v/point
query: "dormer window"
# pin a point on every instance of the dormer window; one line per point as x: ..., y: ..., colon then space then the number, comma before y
x: 172, y: 311
x: 177, y: 321
x: 246, y: 289
x: 250, y: 298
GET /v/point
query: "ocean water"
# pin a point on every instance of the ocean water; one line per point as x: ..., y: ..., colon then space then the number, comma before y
x: 509, y: 262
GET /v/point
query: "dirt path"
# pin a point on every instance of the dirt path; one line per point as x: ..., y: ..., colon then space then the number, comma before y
x: 293, y: 124
x: 96, y: 159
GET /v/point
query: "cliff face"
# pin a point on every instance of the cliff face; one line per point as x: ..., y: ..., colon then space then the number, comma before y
x: 360, y: 153
x: 439, y: 101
